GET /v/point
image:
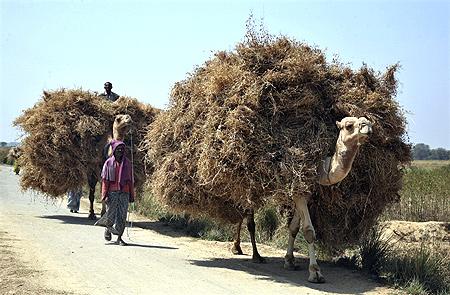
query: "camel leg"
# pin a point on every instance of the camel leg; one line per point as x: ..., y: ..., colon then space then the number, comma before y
x: 251, y: 229
x: 294, y: 226
x: 92, y: 181
x: 236, y: 249
x: 315, y: 276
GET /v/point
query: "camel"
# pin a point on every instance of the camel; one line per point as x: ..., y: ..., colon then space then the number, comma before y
x: 352, y: 133
x: 121, y: 126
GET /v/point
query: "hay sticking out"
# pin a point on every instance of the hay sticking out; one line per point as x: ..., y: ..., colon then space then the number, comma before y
x: 65, y: 133
x: 253, y: 125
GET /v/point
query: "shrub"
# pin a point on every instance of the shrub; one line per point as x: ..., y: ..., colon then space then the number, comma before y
x: 375, y: 250
x: 430, y: 268
x: 267, y: 222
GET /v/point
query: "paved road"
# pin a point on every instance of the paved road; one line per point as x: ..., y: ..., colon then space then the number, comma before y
x: 71, y: 255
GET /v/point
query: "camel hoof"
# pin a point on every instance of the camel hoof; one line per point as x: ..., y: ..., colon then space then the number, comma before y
x: 92, y: 216
x: 236, y: 250
x: 258, y: 259
x: 289, y: 263
x: 316, y: 278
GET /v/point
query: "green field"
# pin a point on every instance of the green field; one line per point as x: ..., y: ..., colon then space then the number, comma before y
x: 425, y: 195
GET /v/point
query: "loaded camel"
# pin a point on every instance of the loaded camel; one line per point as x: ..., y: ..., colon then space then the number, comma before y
x: 121, y: 126
x: 352, y: 133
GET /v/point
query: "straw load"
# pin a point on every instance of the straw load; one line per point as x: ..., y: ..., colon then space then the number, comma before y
x: 65, y: 134
x: 252, y: 125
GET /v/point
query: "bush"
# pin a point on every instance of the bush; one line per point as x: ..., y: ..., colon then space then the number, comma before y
x: 267, y: 222
x: 4, y: 156
x: 375, y: 250
x: 430, y: 268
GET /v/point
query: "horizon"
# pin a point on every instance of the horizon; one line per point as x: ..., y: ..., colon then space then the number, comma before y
x: 47, y: 45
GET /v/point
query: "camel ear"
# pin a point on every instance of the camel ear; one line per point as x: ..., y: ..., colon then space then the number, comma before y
x: 338, y: 124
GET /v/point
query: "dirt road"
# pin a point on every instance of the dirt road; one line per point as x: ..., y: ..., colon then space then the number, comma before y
x: 45, y: 249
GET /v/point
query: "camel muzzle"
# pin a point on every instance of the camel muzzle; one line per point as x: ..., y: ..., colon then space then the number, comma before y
x: 365, y: 128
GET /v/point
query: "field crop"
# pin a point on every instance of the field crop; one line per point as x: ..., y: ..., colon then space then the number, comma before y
x: 425, y: 195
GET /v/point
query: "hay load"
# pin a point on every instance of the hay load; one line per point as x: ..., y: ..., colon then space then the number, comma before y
x: 65, y: 133
x: 253, y: 124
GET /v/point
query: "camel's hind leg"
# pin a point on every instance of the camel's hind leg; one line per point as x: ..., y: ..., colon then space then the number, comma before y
x: 236, y: 249
x: 92, y: 181
x: 294, y: 225
x: 251, y: 229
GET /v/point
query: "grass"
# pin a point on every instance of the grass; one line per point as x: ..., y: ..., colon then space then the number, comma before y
x: 420, y: 271
x: 430, y: 164
x: 427, y: 271
x: 425, y: 195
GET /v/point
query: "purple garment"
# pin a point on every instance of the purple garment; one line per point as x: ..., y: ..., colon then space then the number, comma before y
x: 125, y: 169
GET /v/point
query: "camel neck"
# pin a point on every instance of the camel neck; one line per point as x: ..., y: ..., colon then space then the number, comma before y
x: 337, y: 167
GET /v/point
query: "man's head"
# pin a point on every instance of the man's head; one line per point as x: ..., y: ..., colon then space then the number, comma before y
x: 108, y: 86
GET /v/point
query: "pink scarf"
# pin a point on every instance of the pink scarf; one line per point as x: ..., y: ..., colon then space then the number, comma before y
x: 125, y: 171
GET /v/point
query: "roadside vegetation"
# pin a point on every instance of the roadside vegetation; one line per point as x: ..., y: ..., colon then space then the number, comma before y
x: 4, y: 155
x: 425, y: 195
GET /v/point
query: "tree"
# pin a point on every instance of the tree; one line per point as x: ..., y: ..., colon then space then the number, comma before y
x: 3, y: 144
x: 439, y: 154
x: 421, y: 151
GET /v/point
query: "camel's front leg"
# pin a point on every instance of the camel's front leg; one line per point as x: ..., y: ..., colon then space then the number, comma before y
x: 236, y: 249
x: 315, y: 276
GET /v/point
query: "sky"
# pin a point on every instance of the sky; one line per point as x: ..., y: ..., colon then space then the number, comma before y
x: 144, y: 47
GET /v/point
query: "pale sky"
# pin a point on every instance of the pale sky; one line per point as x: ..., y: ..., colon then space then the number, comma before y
x: 144, y: 47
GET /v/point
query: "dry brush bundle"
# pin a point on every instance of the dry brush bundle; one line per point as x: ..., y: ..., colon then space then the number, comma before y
x: 65, y: 134
x: 253, y: 125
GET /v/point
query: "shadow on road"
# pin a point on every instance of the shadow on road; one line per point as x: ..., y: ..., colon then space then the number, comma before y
x: 144, y: 246
x: 338, y: 280
x: 161, y: 228
x: 79, y: 218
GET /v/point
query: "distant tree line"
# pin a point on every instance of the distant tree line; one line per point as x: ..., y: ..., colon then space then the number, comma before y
x: 422, y: 151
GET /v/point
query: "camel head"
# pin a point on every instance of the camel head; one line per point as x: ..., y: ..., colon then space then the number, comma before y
x: 352, y: 133
x: 354, y: 130
x: 121, y: 125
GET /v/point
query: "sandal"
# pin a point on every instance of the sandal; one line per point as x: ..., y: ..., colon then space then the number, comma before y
x: 121, y: 242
